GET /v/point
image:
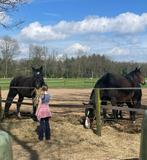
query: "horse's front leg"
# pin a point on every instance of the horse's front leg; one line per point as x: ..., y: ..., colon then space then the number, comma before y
x: 132, y: 113
x: 20, y: 99
x: 34, y: 109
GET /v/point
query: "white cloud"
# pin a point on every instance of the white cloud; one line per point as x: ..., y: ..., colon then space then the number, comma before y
x: 119, y: 51
x: 77, y: 48
x: 124, y: 45
x: 125, y: 23
x: 35, y: 31
x: 128, y: 23
x: 127, y: 54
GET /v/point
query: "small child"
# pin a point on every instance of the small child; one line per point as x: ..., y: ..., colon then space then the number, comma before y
x: 43, y: 114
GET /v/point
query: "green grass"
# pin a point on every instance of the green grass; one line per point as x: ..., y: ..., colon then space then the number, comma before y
x: 59, y: 83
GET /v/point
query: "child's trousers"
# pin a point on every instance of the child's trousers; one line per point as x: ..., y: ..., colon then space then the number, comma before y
x: 44, y: 128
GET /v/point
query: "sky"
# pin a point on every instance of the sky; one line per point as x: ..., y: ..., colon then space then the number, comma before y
x: 114, y: 28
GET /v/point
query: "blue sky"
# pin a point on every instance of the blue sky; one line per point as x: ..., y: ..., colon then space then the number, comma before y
x: 114, y: 28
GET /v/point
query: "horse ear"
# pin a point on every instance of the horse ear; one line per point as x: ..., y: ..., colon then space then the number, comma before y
x: 33, y: 68
x: 137, y: 69
x: 41, y: 68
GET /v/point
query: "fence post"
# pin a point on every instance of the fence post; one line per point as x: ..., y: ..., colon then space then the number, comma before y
x: 143, y: 142
x: 98, y: 111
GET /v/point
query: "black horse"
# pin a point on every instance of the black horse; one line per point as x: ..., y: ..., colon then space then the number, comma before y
x: 24, y: 87
x: 119, y: 96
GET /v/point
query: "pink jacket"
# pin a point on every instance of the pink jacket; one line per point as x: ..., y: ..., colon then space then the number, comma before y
x: 43, y: 111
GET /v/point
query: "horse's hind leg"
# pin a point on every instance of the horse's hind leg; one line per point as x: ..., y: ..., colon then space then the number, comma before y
x: 133, y: 116
x: 104, y: 110
x: 12, y: 93
x: 115, y: 114
x: 120, y: 114
x: 18, y: 105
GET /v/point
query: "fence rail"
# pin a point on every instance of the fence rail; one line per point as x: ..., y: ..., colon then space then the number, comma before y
x: 63, y: 105
x: 123, y: 88
x: 123, y: 108
x: 97, y: 100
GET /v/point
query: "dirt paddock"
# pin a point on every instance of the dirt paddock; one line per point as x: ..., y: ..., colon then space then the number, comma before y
x: 70, y: 140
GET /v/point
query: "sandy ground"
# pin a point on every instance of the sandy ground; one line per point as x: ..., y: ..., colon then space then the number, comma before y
x: 70, y: 140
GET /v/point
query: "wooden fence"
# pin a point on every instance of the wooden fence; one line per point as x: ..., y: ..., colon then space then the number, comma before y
x: 143, y: 146
x: 97, y: 102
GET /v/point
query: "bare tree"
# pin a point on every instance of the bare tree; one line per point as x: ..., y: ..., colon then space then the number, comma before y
x: 9, y: 48
x: 5, y: 7
x: 38, y: 55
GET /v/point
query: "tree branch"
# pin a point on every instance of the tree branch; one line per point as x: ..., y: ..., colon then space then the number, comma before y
x: 6, y: 6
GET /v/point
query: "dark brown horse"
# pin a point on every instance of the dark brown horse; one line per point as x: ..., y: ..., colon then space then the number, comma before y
x: 24, y: 87
x: 120, y: 95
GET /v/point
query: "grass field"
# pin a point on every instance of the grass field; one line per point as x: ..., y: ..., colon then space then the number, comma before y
x: 59, y: 83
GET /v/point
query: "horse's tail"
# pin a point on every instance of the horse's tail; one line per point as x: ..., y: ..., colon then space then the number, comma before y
x: 12, y: 90
x: 11, y: 94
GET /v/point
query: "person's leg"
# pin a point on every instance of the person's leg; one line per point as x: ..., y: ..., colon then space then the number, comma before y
x: 47, y: 129
x: 41, y: 128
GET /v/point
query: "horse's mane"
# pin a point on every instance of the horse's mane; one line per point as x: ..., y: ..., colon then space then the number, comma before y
x: 130, y: 75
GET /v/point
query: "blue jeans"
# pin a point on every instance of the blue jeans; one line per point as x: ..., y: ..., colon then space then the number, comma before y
x: 44, y: 128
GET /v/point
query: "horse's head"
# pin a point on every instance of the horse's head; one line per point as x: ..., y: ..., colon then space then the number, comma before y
x: 137, y: 76
x: 37, y: 72
x: 38, y: 77
x: 89, y: 112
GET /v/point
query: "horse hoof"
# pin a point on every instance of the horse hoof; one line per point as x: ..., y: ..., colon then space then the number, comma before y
x: 133, y: 122
x: 19, y: 116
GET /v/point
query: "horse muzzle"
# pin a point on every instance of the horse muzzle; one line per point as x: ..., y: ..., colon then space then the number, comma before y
x: 143, y: 82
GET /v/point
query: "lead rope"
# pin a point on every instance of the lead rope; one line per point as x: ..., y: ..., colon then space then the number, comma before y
x: 37, y: 96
